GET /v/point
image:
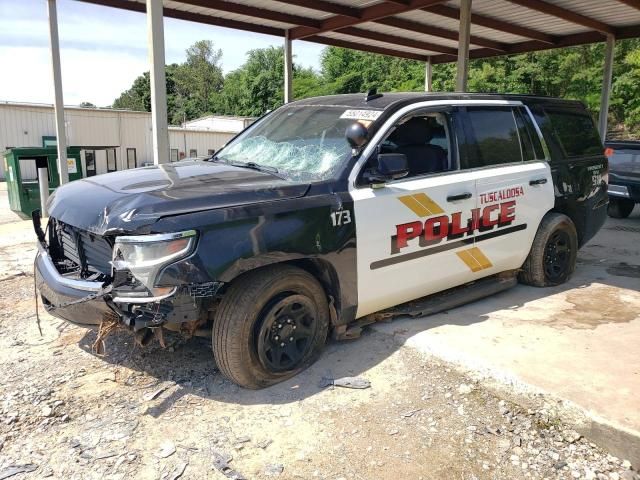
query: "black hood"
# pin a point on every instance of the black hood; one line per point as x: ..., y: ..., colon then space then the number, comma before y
x: 128, y: 200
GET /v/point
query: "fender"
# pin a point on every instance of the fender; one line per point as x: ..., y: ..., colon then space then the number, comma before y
x: 234, y: 241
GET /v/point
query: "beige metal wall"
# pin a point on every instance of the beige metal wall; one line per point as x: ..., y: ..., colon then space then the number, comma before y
x: 202, y: 141
x: 24, y: 125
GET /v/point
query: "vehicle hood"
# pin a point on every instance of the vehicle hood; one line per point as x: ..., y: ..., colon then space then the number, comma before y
x: 125, y: 201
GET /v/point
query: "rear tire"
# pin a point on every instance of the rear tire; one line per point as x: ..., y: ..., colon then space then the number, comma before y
x: 270, y: 325
x: 620, y: 207
x: 552, y: 259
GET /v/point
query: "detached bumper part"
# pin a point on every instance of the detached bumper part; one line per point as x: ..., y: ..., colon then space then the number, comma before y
x: 56, y: 289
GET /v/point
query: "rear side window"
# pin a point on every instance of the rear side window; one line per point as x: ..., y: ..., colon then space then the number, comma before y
x: 529, y: 138
x: 492, y: 137
x: 576, y: 132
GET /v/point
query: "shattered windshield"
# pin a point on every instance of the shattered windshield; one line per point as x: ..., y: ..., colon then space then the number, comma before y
x: 302, y: 143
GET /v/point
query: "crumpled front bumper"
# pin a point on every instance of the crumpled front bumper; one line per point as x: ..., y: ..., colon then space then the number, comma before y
x: 56, y: 289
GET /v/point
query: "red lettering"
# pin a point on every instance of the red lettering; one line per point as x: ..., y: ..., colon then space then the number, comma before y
x: 474, y: 221
x: 486, y: 215
x: 507, y: 212
x: 456, y: 229
x: 406, y: 232
x: 436, y: 228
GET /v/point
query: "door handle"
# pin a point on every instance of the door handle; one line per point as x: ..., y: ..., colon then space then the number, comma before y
x: 460, y: 196
x: 538, y: 181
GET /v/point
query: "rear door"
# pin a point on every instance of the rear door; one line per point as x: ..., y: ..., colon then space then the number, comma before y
x: 513, y: 182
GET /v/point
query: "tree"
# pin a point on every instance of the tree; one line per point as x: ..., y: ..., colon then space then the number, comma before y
x: 138, y: 97
x: 191, y: 86
x: 258, y: 85
x: 198, y: 87
x: 199, y: 79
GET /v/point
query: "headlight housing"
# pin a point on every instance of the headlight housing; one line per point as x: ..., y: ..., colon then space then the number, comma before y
x: 145, y: 255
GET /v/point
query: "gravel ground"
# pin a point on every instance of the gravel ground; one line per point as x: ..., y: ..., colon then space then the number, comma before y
x: 167, y: 413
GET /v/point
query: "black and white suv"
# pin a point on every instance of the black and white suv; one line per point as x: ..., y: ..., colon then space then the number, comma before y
x: 297, y: 230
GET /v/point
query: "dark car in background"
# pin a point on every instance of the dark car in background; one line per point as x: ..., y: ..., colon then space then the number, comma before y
x: 624, y: 177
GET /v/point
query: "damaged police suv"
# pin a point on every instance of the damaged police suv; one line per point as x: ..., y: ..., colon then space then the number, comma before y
x: 325, y: 215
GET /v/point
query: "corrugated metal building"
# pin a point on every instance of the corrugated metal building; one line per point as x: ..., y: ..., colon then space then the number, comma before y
x: 110, y: 139
x: 219, y: 124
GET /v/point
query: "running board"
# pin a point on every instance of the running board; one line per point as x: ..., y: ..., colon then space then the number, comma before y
x: 436, y: 303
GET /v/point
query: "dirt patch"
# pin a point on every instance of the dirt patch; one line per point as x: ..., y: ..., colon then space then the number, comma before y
x: 599, y: 305
x: 624, y: 270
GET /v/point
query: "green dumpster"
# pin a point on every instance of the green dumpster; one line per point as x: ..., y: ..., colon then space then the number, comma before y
x: 21, y: 172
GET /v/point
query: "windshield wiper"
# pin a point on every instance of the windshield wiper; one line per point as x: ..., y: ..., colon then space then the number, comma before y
x: 255, y: 166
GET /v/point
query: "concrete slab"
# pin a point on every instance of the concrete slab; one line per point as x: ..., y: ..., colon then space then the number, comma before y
x: 578, y: 341
x: 6, y: 214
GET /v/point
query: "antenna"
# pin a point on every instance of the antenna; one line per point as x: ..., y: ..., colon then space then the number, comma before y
x: 372, y: 94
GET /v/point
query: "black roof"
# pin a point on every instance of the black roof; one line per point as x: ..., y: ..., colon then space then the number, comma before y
x: 395, y: 99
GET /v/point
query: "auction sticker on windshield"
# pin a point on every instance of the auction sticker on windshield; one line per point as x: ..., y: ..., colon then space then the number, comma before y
x: 361, y: 114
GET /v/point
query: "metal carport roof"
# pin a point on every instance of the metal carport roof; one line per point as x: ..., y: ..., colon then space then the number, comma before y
x: 416, y: 29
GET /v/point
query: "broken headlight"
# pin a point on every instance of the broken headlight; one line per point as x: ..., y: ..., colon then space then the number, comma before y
x: 145, y: 255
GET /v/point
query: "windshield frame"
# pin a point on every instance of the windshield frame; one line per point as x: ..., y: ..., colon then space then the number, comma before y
x: 345, y: 165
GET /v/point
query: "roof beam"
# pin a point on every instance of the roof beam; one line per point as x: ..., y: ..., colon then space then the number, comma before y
x: 367, y: 14
x: 404, y: 41
x: 632, y: 3
x: 335, y: 42
x: 192, y: 17
x: 632, y: 31
x: 250, y: 11
x: 494, y: 24
x: 564, y: 14
x: 325, y: 7
x: 439, y: 32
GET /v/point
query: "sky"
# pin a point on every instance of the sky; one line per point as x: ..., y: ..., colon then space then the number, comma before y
x: 102, y: 50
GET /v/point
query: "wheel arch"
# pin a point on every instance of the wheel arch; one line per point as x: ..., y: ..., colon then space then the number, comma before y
x: 322, y: 270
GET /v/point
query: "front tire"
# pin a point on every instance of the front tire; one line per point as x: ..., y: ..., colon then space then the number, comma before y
x: 620, y: 207
x: 270, y: 325
x: 552, y: 259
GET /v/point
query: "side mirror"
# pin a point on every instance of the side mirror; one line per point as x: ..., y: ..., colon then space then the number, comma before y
x: 356, y: 134
x: 392, y: 166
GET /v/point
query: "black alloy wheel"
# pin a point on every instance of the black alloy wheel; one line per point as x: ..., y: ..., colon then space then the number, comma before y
x: 269, y: 325
x: 286, y: 333
x: 557, y: 255
x: 552, y: 258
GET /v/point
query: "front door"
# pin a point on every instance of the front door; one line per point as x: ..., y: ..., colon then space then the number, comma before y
x: 410, y: 237
x: 415, y: 235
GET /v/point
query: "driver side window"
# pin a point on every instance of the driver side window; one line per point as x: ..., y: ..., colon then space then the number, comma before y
x: 425, y: 140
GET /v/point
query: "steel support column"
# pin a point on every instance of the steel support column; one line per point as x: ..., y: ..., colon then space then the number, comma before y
x: 58, y: 105
x: 43, y: 186
x: 462, y: 70
x: 428, y: 76
x: 606, y: 85
x: 155, y: 44
x: 288, y: 68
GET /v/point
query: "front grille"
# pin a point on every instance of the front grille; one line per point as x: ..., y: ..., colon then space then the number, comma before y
x: 88, y: 252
